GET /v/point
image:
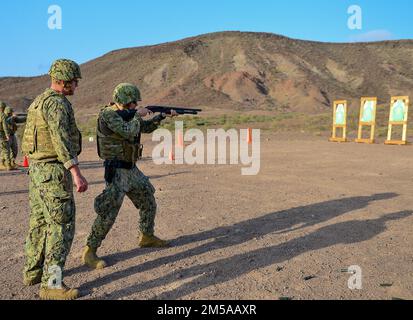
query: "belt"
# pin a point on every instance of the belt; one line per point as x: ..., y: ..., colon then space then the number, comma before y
x: 118, y: 164
x: 112, y: 165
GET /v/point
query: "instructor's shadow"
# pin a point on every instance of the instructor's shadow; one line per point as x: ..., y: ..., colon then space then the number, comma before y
x: 226, y: 236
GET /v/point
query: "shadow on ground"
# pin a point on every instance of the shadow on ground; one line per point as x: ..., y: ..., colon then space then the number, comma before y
x: 223, y: 237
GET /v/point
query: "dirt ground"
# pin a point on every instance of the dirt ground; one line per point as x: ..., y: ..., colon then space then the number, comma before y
x: 315, y: 209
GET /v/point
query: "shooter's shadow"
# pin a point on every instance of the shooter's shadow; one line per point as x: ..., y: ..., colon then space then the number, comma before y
x: 227, y: 269
x: 223, y: 237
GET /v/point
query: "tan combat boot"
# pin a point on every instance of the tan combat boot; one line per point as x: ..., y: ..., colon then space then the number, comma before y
x: 2, y: 167
x: 150, y: 241
x: 31, y: 282
x: 65, y: 293
x: 12, y: 167
x: 90, y: 258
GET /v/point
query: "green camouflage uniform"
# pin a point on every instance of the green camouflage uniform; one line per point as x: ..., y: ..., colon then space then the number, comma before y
x: 4, y: 133
x: 117, y: 142
x: 53, y: 142
x: 12, y: 144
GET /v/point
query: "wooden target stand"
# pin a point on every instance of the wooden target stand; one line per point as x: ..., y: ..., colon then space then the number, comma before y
x: 393, y: 122
x: 371, y: 122
x: 339, y: 123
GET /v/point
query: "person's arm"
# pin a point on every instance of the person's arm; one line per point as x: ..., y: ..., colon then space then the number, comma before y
x: 78, y: 179
x: 5, y: 128
x: 149, y: 126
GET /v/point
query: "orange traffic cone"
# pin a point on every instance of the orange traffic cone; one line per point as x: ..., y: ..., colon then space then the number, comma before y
x: 180, y: 139
x: 249, y: 136
x: 25, y: 162
x: 171, y: 156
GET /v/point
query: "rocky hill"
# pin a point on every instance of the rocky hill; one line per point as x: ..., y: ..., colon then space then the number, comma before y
x: 239, y: 71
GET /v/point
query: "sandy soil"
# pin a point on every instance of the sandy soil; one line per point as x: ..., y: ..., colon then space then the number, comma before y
x: 315, y: 208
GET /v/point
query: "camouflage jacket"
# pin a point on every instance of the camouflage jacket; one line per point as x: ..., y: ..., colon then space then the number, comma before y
x: 127, y: 130
x: 51, y: 133
x: 4, y: 128
x: 117, y: 139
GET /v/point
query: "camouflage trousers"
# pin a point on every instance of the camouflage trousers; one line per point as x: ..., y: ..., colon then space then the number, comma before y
x: 134, y: 184
x: 8, y: 151
x: 52, y: 221
x: 5, y: 153
x: 13, y: 147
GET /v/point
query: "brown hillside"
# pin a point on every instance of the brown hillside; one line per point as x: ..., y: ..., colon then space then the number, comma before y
x: 236, y: 70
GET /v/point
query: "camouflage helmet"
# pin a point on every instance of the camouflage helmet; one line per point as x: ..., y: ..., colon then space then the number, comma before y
x: 65, y: 70
x: 126, y: 93
x: 8, y: 110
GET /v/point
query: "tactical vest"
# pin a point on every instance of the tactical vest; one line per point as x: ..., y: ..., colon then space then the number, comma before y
x: 37, y: 142
x: 11, y: 124
x: 2, y: 131
x: 112, y: 146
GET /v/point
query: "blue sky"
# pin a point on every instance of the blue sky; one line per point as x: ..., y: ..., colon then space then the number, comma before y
x: 91, y: 28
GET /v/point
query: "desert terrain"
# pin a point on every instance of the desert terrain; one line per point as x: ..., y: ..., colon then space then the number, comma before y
x: 314, y: 209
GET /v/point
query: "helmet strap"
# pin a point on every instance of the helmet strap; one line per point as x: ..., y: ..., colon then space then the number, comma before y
x: 68, y: 85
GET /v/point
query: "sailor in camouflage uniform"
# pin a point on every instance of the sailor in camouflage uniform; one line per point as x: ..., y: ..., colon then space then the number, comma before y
x: 12, y: 143
x: 119, y: 145
x: 4, y: 139
x: 52, y: 141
